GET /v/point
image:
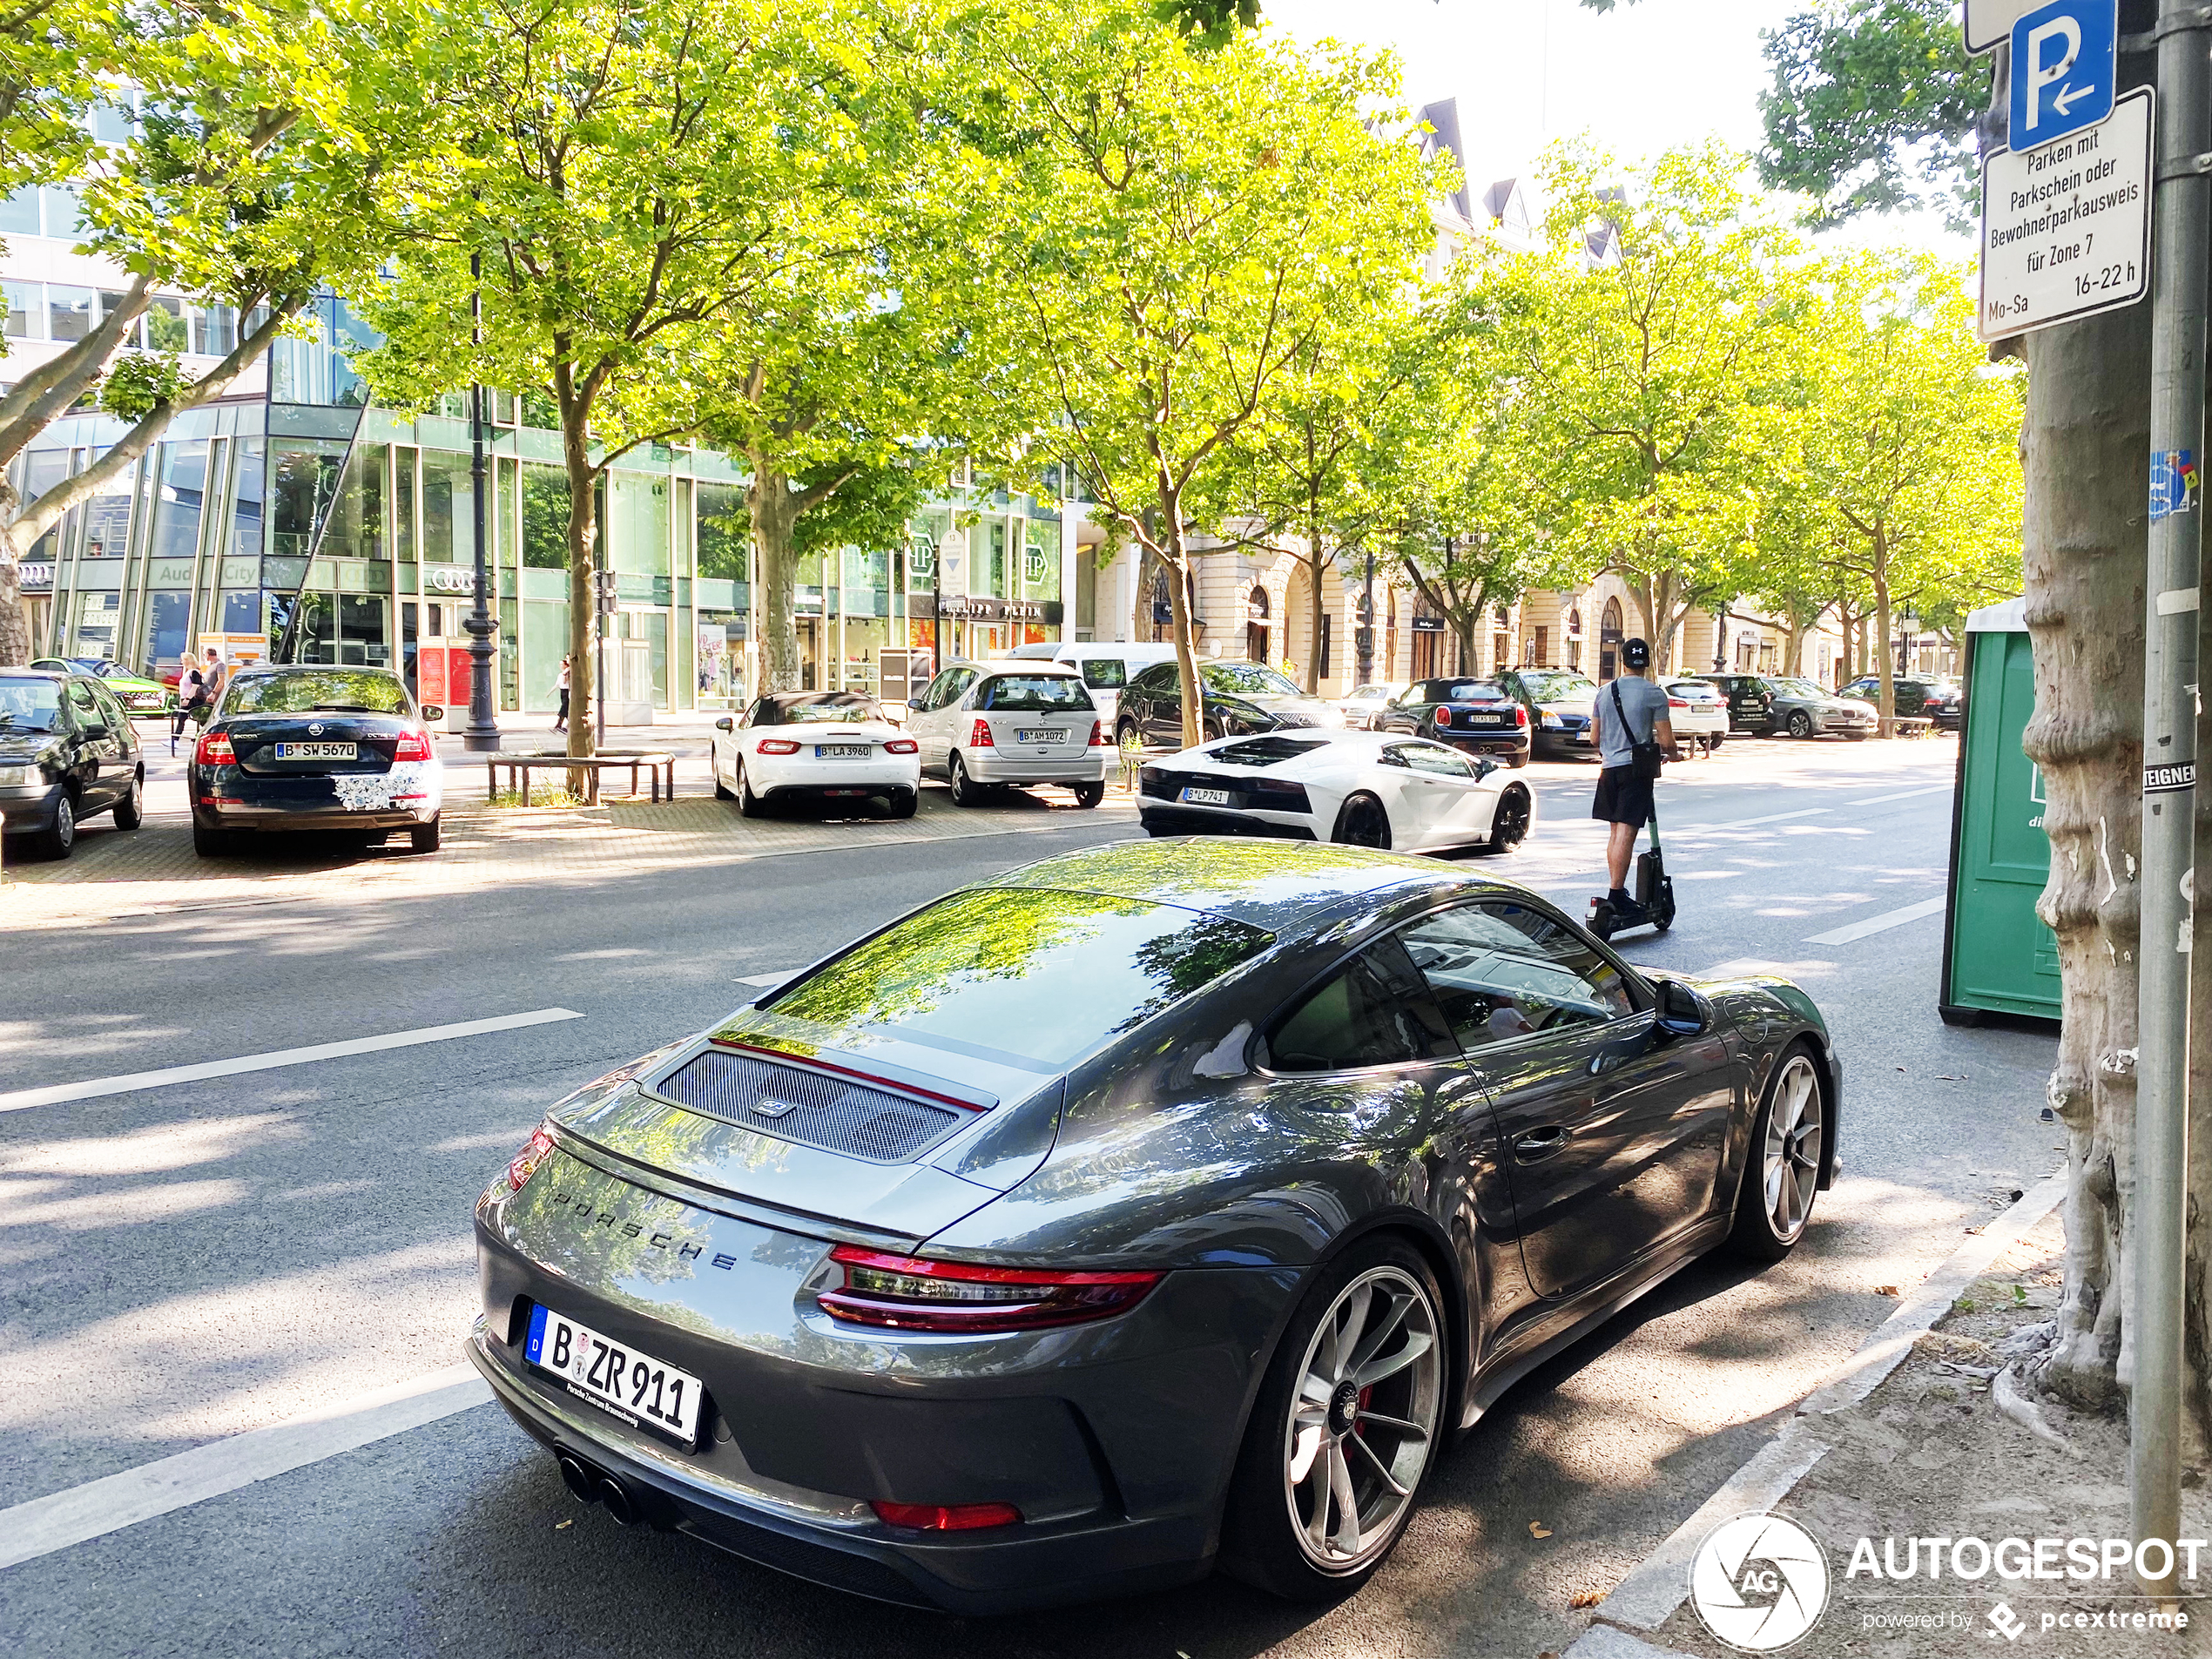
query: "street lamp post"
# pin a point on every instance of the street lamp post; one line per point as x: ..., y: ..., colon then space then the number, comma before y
x: 1368, y: 624
x: 483, y: 734
x: 1720, y: 641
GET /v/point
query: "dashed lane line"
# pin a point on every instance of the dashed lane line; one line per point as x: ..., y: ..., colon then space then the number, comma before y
x: 62, y: 1518
x: 24, y: 1099
x: 1849, y: 931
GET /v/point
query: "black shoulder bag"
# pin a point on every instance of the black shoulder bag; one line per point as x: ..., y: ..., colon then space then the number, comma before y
x: 1644, y: 758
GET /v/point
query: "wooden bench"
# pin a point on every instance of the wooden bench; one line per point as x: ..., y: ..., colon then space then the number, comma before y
x: 650, y: 761
x: 1912, y: 725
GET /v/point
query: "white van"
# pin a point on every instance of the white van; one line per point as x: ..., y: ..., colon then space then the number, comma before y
x: 1106, y: 666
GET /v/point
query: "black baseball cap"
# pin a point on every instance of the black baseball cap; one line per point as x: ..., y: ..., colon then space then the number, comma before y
x: 1636, y: 653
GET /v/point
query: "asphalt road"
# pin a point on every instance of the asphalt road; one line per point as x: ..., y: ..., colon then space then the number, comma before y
x: 183, y: 1262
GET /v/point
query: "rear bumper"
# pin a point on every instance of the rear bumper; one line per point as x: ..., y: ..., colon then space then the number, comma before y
x: 229, y: 798
x: 1084, y: 764
x: 1201, y: 820
x: 1516, y: 743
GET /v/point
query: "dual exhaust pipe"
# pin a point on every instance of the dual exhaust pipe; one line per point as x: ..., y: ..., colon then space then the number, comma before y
x: 596, y: 1485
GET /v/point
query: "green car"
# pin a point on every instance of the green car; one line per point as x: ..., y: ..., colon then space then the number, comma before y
x: 138, y: 695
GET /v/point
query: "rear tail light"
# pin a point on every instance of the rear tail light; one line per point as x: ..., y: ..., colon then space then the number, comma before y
x: 1444, y: 716
x: 777, y: 746
x: 1677, y: 703
x: 901, y: 746
x: 979, y: 736
x: 1098, y: 735
x: 910, y: 1293
x: 1521, y: 714
x: 524, y: 1164
x: 413, y: 746
x: 946, y: 1517
x: 214, y: 751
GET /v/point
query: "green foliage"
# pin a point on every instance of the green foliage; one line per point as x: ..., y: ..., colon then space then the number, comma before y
x: 1873, y: 109
x: 1209, y: 22
x: 140, y: 382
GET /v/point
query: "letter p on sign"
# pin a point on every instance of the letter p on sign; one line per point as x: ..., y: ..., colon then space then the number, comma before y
x: 2065, y: 63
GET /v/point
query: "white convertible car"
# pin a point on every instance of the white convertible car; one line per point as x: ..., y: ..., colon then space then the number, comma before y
x: 819, y: 745
x: 1362, y: 788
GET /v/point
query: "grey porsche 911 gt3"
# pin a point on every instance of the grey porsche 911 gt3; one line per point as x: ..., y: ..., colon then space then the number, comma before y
x: 1156, y: 1207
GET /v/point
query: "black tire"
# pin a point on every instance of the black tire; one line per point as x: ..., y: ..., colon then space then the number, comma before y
x: 131, y: 810
x: 1509, y: 824
x: 1361, y: 821
x: 1800, y: 723
x: 423, y: 837
x: 904, y: 802
x: 1126, y: 736
x: 1089, y: 795
x: 59, y: 839
x: 1264, y: 1539
x: 208, y: 842
x: 1758, y: 1233
x: 966, y: 791
x: 1715, y: 741
x: 751, y: 805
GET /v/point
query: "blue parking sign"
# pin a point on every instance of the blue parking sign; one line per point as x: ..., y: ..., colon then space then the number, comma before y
x: 2065, y: 61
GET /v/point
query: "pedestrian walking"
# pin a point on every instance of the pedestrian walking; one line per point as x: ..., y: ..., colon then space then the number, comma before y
x: 1633, y: 736
x: 561, y: 720
x: 215, y: 678
x: 191, y: 691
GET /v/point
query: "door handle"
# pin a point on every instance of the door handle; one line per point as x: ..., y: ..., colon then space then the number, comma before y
x: 1539, y: 1144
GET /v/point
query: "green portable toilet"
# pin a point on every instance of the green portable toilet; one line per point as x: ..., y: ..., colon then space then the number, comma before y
x: 1997, y: 956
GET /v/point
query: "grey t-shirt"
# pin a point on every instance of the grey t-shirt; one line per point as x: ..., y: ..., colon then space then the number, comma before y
x: 1642, y: 702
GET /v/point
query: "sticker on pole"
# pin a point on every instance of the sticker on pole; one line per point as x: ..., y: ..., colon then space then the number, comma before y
x: 2170, y: 780
x: 2066, y: 227
x: 2173, y: 482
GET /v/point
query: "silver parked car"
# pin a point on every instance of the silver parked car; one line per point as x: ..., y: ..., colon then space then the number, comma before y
x: 1158, y: 1205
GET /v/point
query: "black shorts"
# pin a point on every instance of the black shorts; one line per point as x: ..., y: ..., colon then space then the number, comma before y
x: 1623, y: 798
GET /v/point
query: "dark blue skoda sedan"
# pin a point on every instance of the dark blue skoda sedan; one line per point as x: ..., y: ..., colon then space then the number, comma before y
x: 316, y: 748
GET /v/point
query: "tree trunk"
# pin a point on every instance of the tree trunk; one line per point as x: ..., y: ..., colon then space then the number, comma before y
x: 1315, y: 611
x: 775, y: 509
x: 15, y: 625
x: 1178, y: 560
x: 1885, y: 692
x: 584, y: 584
x: 2086, y: 432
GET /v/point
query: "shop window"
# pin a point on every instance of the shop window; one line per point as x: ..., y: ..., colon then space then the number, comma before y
x: 639, y: 532
x: 98, y: 616
x: 723, y: 533
x: 357, y: 516
x: 246, y: 469
x: 177, y: 510
x: 545, y: 520
x: 303, y: 484
x: 168, y: 618
x: 242, y: 613
x: 1040, y: 560
x: 448, y: 508
x: 363, y: 639
x: 995, y: 563
x: 403, y: 491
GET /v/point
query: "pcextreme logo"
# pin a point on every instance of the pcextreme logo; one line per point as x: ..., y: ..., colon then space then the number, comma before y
x: 1759, y: 1583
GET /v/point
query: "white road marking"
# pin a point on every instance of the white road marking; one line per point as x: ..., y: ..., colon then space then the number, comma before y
x: 1907, y: 795
x: 44, y: 1525
x: 1775, y: 818
x: 22, y: 1099
x: 1844, y: 934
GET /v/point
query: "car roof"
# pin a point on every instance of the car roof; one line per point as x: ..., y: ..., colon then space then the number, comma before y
x: 43, y: 673
x: 843, y: 700
x: 1283, y: 887
x: 1027, y: 665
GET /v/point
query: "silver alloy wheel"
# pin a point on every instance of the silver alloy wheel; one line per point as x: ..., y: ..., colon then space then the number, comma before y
x: 63, y: 834
x: 1363, y: 1423
x: 1790, y: 1162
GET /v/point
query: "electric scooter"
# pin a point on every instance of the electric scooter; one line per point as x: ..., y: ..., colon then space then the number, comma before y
x: 1654, y: 895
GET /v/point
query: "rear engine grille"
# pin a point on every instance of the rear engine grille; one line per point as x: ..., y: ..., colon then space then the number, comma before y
x: 806, y: 1107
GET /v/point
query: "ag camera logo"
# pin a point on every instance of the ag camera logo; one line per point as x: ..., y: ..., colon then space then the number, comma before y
x: 1759, y: 1583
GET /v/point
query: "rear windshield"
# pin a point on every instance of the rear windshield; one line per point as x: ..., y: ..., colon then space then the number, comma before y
x: 339, y: 691
x: 1250, y: 678
x: 1461, y: 692
x: 1034, y: 694
x: 1023, y: 977
x: 1105, y: 673
x: 30, y: 705
x: 1552, y: 688
x: 1693, y: 691
x: 1266, y: 752
x: 843, y: 709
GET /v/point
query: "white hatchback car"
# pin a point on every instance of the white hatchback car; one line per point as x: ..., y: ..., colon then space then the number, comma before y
x: 985, y: 724
x: 817, y: 746
x: 1697, y: 710
x: 1361, y: 705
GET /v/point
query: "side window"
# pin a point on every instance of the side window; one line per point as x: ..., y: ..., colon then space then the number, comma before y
x: 1435, y: 760
x: 763, y: 713
x: 1373, y: 1011
x: 1105, y: 673
x: 962, y: 680
x: 1157, y: 678
x: 84, y: 706
x: 111, y: 712
x: 1501, y: 970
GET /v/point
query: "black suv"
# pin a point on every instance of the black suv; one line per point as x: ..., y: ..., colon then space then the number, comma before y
x: 67, y: 750
x: 1917, y: 697
x: 1234, y: 699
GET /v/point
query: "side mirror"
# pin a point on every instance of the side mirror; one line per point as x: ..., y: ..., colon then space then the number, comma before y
x: 432, y: 713
x: 726, y: 724
x: 1683, y: 1013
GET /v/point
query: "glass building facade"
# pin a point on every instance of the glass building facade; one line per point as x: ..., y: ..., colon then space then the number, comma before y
x: 308, y: 525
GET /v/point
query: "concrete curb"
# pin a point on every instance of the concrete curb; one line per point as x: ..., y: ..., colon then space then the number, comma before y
x: 1648, y: 1596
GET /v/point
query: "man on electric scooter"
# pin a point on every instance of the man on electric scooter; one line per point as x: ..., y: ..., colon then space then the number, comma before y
x: 1633, y: 733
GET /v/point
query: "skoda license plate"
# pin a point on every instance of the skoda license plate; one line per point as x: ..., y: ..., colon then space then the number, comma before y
x: 1041, y: 734
x: 1196, y: 796
x: 841, y: 752
x: 638, y: 1389
x: 316, y: 751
